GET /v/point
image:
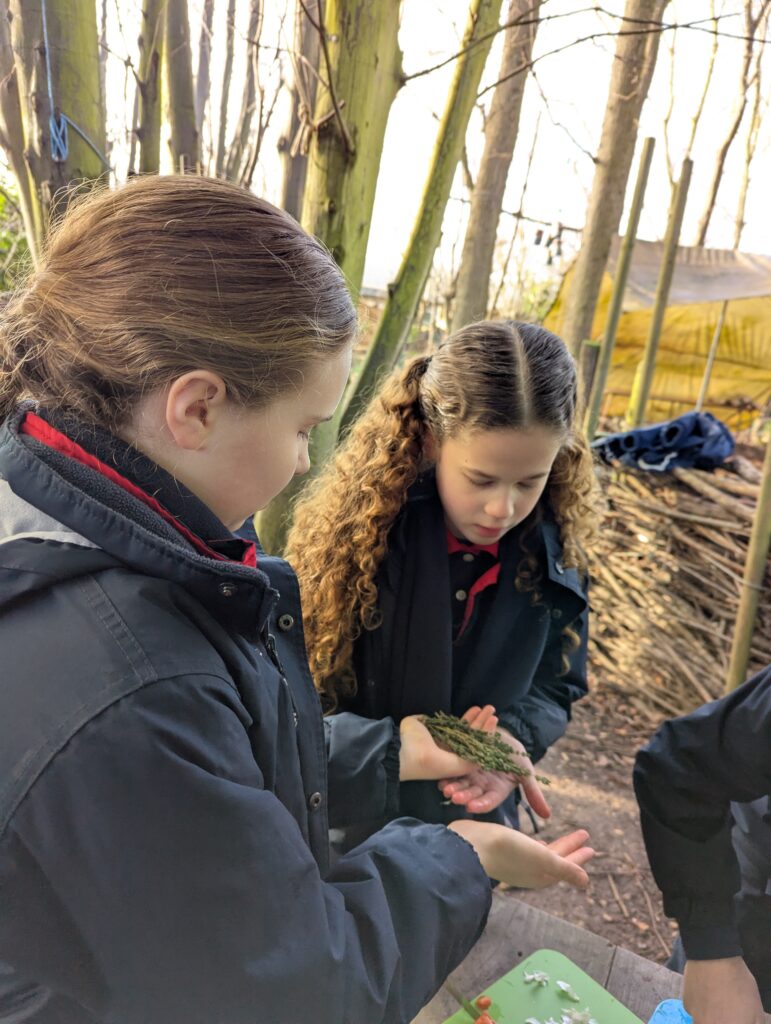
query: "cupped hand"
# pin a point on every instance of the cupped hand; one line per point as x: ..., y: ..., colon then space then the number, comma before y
x: 522, y: 861
x: 717, y: 991
x: 480, y: 791
x: 422, y: 758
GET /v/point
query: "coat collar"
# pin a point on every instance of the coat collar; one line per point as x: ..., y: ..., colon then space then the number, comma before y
x: 424, y: 490
x: 240, y: 597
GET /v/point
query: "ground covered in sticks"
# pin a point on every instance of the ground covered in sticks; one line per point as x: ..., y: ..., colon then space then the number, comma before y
x: 591, y: 787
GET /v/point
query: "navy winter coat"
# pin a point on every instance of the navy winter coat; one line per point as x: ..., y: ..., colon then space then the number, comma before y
x: 700, y: 777
x: 509, y: 655
x: 164, y: 798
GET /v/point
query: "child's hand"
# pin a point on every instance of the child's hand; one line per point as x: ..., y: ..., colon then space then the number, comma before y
x: 421, y: 758
x: 480, y: 791
x: 519, y: 860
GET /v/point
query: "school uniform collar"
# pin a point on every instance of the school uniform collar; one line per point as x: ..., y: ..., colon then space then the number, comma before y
x: 114, y: 520
x: 425, y: 489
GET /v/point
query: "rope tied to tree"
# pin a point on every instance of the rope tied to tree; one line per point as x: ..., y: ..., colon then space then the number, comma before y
x: 58, y: 122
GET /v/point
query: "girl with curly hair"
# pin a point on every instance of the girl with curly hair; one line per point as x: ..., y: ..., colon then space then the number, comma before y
x: 442, y: 554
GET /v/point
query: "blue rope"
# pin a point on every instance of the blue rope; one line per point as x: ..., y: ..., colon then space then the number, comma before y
x: 58, y: 122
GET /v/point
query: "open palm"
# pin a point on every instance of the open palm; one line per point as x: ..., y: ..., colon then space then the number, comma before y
x: 482, y: 791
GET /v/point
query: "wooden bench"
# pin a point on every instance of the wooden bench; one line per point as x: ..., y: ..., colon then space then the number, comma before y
x: 515, y: 930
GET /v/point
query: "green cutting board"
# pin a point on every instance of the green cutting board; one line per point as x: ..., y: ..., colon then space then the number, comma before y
x: 514, y: 1000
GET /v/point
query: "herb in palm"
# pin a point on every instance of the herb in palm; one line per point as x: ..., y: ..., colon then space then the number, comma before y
x: 485, y: 749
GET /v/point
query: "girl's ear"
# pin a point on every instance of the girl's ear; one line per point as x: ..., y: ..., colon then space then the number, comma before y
x: 193, y: 405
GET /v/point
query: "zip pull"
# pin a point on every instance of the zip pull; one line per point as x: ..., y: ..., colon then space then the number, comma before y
x: 270, y: 644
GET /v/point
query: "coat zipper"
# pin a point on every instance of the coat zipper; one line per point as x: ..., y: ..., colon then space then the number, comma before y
x: 270, y: 644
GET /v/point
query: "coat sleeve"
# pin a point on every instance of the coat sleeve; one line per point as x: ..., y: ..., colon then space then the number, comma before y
x: 685, y: 780
x: 152, y: 877
x: 540, y: 717
x: 363, y: 765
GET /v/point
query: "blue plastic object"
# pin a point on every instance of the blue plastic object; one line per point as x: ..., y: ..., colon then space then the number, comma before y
x: 671, y: 1011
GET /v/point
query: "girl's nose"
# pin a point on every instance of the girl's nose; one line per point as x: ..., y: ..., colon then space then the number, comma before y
x: 303, y: 462
x: 501, y: 505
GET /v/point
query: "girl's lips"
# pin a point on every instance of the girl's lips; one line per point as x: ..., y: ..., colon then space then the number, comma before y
x: 489, y: 531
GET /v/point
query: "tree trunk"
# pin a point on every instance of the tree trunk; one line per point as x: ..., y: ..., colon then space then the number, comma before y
x: 227, y: 73
x: 476, y: 265
x: 12, y: 138
x: 203, y: 76
x: 405, y: 292
x: 240, y: 143
x: 634, y: 62
x: 363, y: 65
x: 148, y: 130
x: 750, y: 27
x: 185, y: 140
x: 293, y: 145
x: 71, y: 63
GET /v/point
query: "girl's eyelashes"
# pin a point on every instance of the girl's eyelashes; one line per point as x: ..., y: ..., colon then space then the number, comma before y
x: 305, y: 434
x: 526, y: 485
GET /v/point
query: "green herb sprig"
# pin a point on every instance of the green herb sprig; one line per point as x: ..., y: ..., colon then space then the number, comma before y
x: 485, y: 749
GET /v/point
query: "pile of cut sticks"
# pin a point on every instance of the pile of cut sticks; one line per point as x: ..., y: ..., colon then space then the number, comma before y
x: 666, y: 580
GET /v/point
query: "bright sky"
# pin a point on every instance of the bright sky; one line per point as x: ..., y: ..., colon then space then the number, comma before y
x: 575, y: 84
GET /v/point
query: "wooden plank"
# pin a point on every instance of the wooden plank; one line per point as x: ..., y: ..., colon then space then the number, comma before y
x: 641, y: 984
x: 514, y: 931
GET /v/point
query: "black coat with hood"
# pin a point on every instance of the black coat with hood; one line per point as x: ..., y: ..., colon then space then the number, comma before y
x: 703, y: 784
x: 164, y: 794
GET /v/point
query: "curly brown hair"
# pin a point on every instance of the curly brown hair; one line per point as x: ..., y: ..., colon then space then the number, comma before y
x: 487, y: 376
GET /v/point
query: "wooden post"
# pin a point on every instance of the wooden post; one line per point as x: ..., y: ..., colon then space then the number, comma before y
x: 619, y: 286
x: 711, y: 358
x: 752, y: 583
x: 644, y: 376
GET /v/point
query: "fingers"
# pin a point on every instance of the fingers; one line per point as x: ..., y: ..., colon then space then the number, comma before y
x: 533, y: 793
x: 573, y: 874
x: 571, y: 854
x: 482, y: 718
x: 486, y: 802
x: 570, y: 843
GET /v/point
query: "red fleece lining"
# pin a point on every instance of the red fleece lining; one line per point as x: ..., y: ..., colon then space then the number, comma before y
x: 34, y: 426
x: 487, y: 579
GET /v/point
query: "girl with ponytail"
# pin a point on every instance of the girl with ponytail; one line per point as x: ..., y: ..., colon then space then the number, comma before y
x: 442, y: 554
x: 166, y: 785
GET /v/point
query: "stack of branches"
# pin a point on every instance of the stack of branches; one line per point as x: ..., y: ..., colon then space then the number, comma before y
x: 666, y: 581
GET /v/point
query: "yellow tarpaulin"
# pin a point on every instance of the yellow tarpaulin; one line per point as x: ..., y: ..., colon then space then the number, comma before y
x: 740, y: 384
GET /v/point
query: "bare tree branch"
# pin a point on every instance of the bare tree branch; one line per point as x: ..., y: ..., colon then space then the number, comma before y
x: 697, y: 25
x: 752, y: 24
x: 558, y: 124
x: 347, y: 140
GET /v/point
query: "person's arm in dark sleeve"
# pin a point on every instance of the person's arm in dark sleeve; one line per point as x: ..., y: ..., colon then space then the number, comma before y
x: 541, y: 717
x: 685, y: 780
x: 363, y: 768
x: 174, y: 886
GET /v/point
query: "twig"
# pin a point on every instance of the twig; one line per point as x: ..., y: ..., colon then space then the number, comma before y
x: 617, y: 894
x: 667, y: 949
